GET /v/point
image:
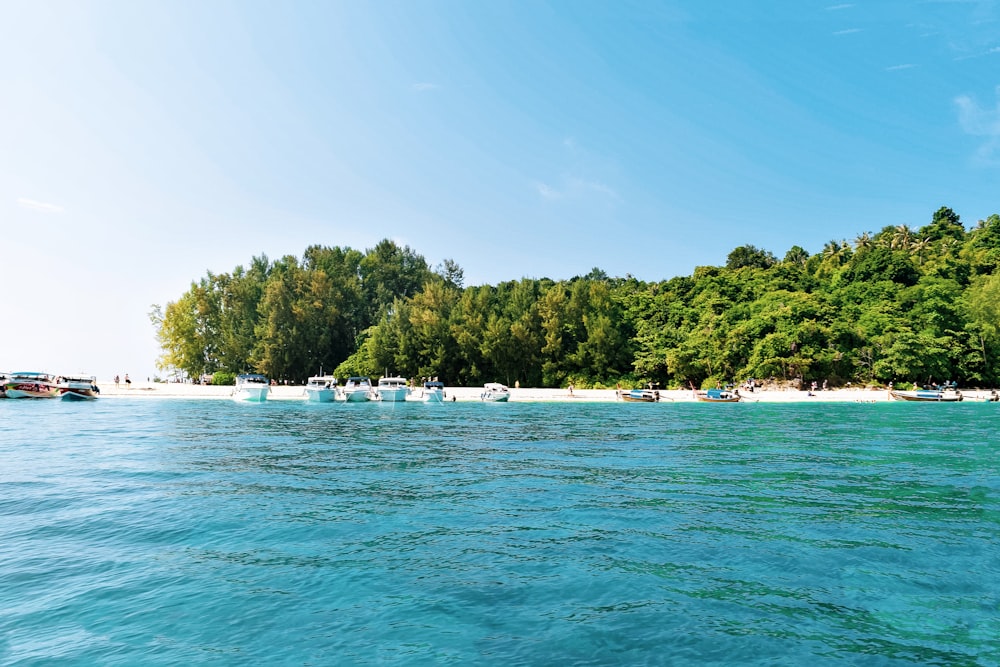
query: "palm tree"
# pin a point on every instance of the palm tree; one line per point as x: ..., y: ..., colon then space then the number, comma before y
x: 902, y: 238
x: 918, y: 248
x: 863, y: 241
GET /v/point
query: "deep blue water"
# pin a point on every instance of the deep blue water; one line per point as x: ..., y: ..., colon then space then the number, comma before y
x: 167, y: 532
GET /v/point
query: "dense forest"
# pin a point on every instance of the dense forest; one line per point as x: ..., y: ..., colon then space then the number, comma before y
x: 902, y: 305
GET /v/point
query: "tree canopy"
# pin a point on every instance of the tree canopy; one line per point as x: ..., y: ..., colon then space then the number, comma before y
x: 903, y: 304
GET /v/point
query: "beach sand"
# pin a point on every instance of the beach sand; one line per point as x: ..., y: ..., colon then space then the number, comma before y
x: 528, y: 394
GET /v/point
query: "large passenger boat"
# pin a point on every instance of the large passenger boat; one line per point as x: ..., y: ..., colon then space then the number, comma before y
x: 31, y: 384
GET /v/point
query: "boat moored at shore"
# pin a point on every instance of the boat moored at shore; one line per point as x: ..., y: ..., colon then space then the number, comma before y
x: 321, y: 389
x: 639, y: 395
x: 494, y: 392
x: 718, y: 396
x: 79, y: 388
x: 357, y: 389
x: 433, y: 392
x: 392, y: 389
x: 251, y: 387
x: 31, y: 384
x: 946, y: 393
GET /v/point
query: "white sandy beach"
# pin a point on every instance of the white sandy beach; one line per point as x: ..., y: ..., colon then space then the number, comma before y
x: 524, y: 394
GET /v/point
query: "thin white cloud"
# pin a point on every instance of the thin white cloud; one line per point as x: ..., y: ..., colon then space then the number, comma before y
x: 981, y: 122
x: 547, y: 191
x: 849, y: 31
x: 576, y: 188
x: 837, y: 8
x: 39, y: 206
x: 582, y: 185
x: 896, y: 68
x: 424, y: 86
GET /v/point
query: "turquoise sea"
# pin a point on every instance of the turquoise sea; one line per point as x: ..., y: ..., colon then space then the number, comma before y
x: 172, y: 532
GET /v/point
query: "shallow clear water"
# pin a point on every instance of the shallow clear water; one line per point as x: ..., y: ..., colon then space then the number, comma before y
x: 160, y: 532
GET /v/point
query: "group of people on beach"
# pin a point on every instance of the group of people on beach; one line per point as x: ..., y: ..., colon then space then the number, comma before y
x: 128, y: 382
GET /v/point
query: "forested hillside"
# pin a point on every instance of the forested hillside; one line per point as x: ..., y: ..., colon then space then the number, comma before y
x: 903, y: 305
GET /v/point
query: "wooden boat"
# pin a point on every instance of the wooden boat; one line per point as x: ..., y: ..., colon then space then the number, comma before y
x: 392, y: 389
x: 494, y: 392
x: 321, y: 389
x: 79, y: 388
x: 718, y: 396
x: 639, y: 395
x: 251, y: 387
x: 31, y: 384
x: 943, y: 394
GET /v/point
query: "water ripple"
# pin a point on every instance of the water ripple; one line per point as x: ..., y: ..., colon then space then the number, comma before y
x: 165, y: 532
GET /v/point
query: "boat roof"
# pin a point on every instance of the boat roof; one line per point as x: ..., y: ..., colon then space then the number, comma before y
x: 359, y: 378
x: 30, y: 374
x: 394, y: 380
x: 251, y: 376
x: 495, y: 385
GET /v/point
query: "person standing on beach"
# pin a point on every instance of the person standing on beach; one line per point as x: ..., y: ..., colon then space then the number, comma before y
x: 116, y: 382
x: 128, y: 383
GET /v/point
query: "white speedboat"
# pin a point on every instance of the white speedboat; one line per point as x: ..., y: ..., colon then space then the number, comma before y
x: 393, y: 389
x: 321, y: 389
x: 433, y: 392
x: 494, y: 392
x: 251, y: 387
x: 31, y: 384
x: 79, y: 388
x: 357, y: 389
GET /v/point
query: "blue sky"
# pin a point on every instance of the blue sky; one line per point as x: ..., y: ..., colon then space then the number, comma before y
x: 145, y: 143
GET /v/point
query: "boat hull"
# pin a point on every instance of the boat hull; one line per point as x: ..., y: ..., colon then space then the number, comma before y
x: 31, y: 390
x: 393, y: 395
x: 357, y: 395
x: 717, y: 396
x: 639, y: 395
x: 79, y: 395
x: 320, y: 395
x: 495, y: 392
x: 250, y: 394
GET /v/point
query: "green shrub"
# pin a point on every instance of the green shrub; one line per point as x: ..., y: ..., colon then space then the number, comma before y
x: 223, y: 378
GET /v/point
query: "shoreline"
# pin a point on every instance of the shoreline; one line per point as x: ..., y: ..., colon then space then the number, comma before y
x: 523, y: 394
